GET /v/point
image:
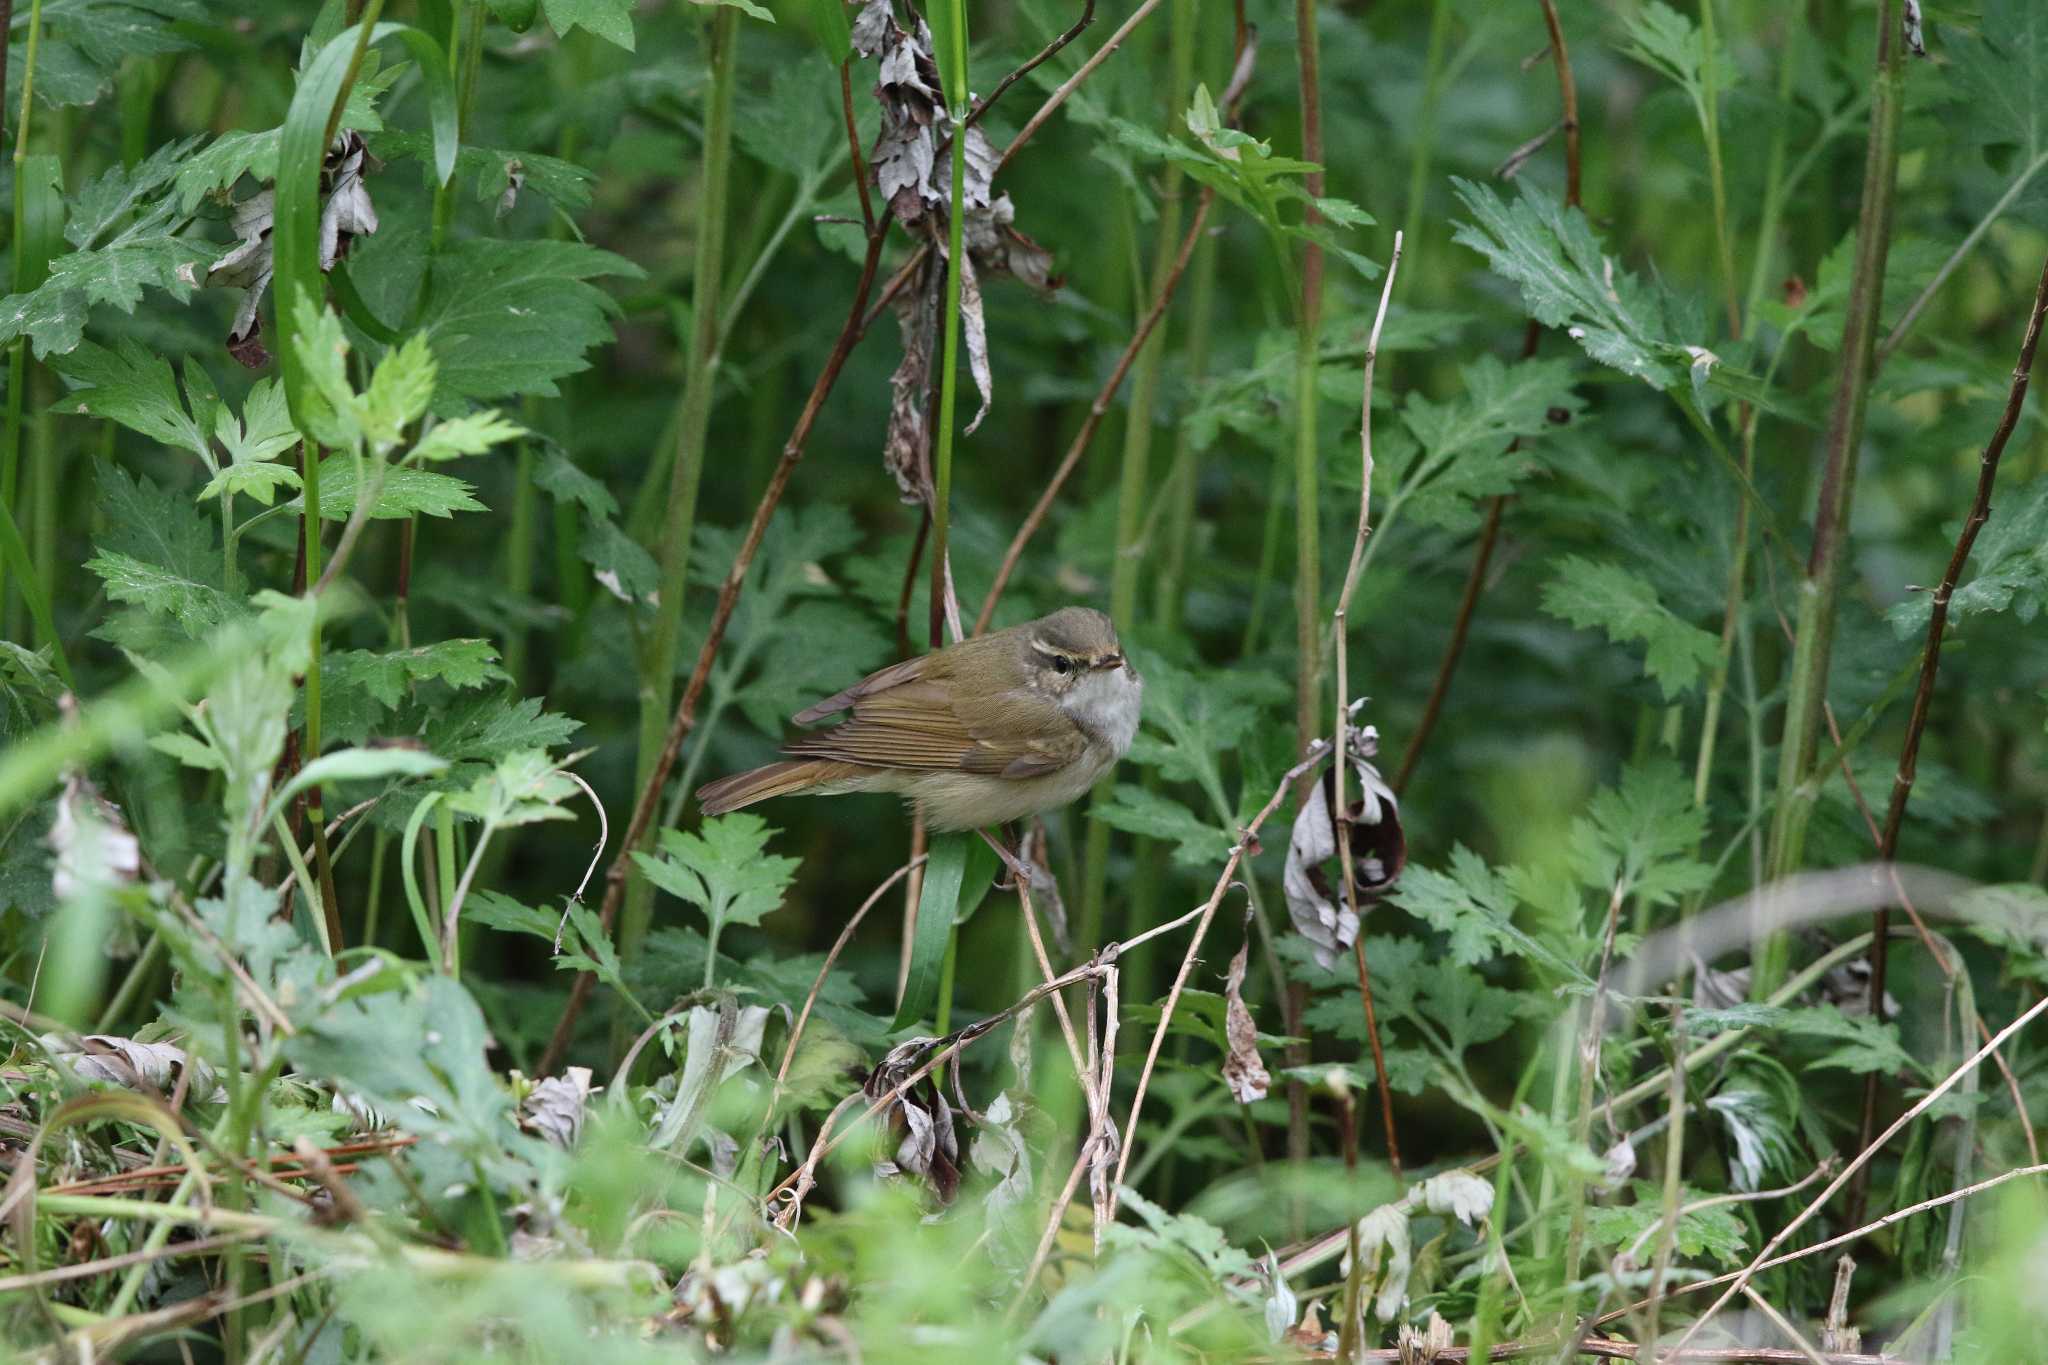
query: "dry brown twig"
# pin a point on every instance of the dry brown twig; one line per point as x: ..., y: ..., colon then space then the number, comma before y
x: 1923, y: 694
x: 728, y: 598
x: 1861, y: 1159
x: 1247, y: 842
x: 1340, y: 633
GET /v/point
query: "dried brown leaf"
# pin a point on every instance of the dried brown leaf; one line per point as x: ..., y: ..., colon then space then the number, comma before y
x: 1243, y: 1072
x: 927, y: 1146
x: 554, y: 1108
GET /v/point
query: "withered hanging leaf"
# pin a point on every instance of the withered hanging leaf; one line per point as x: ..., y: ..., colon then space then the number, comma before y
x: 554, y: 1108
x: 906, y: 448
x: 999, y: 1150
x: 1243, y: 1072
x: 928, y: 1146
x: 345, y: 214
x: 1377, y: 847
x: 912, y: 162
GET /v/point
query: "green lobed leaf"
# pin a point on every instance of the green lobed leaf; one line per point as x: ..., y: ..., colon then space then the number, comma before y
x: 512, y: 317
x: 724, y: 869
x: 1625, y: 606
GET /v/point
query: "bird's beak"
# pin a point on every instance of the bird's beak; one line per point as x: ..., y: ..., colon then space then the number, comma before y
x: 1113, y: 662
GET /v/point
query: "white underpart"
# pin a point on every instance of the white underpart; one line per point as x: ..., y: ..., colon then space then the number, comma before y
x: 1105, y: 703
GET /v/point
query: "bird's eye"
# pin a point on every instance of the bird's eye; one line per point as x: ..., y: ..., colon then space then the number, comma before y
x: 1062, y: 665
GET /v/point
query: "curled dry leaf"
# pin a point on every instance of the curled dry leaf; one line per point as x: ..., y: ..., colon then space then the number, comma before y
x: 912, y: 165
x: 1378, y: 850
x: 134, y: 1065
x: 1281, y: 1304
x: 927, y: 1145
x: 346, y: 213
x: 1459, y: 1193
x: 1243, y: 1072
x: 95, y: 853
x: 1621, y: 1164
x: 999, y: 1151
x: 554, y: 1108
x: 1388, y: 1256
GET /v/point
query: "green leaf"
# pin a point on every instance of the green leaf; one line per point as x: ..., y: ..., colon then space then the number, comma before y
x: 1714, y: 1232
x: 561, y: 480
x: 1461, y: 452
x: 487, y: 728
x: 402, y: 493
x: 512, y: 317
x: 1195, y: 843
x: 620, y: 563
x: 361, y: 765
x: 1866, y: 1045
x: 159, y: 553
x: 388, y: 677
x: 471, y: 434
x: 400, y: 388
x: 2010, y: 562
x: 2001, y: 80
x: 424, y: 1043
x: 492, y: 171
x: 1568, y: 282
x: 1458, y: 1001
x: 1667, y: 42
x: 611, y: 20
x: 725, y: 869
x: 1625, y: 606
x: 1643, y: 835
x: 135, y: 387
x: 524, y: 787
x: 945, y: 873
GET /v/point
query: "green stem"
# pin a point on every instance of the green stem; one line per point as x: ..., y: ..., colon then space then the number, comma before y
x: 1425, y: 129
x: 707, y: 286
x: 17, y: 355
x: 1775, y: 185
x: 1710, y: 129
x: 949, y: 364
x: 948, y: 965
x: 1820, y: 590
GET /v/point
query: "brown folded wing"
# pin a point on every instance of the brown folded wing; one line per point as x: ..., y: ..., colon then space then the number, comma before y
x: 910, y: 722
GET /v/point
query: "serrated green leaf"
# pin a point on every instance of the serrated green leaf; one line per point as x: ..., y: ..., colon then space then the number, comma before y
x: 386, y: 677
x: 512, y: 317
x: 402, y: 492
x: 1642, y: 835
x: 135, y: 387
x: 400, y: 388
x: 159, y: 553
x: 563, y: 183
x: 2001, y: 79
x: 1625, y: 606
x: 1865, y: 1044
x: 470, y: 434
x: 1714, y: 1232
x: 1568, y: 282
x: 487, y: 728
x: 561, y: 480
x: 611, y: 20
x: 725, y: 869
x: 1133, y: 809
x: 2010, y: 561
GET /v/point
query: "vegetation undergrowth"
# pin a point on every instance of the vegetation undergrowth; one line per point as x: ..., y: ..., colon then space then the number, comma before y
x: 440, y: 435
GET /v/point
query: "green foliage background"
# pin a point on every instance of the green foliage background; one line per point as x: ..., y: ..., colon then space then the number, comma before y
x: 593, y: 257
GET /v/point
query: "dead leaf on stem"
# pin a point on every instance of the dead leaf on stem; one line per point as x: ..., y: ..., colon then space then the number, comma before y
x: 554, y: 1108
x: 912, y: 164
x: 1378, y: 851
x: 1243, y: 1072
x: 345, y: 214
x: 920, y: 1117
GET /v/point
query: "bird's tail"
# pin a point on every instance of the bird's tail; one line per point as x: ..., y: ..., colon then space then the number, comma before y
x: 776, y: 779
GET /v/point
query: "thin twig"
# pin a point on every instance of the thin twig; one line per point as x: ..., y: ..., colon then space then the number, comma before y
x: 1073, y: 82
x: 1247, y: 841
x: 1096, y: 411
x: 1923, y: 695
x: 1764, y: 1306
x: 796, y: 1030
x: 728, y: 598
x: 1340, y: 624
x: 981, y: 106
x: 1860, y: 1160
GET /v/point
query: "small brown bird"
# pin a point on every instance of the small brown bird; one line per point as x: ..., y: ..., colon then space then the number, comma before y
x: 990, y: 730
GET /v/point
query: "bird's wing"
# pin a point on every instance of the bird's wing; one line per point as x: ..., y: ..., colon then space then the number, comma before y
x: 895, y: 674
x: 912, y: 724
